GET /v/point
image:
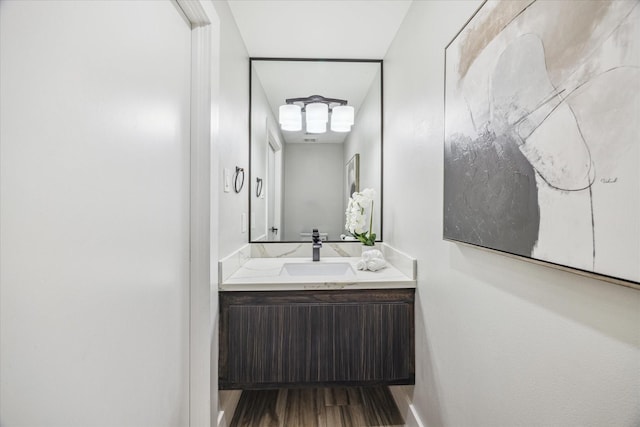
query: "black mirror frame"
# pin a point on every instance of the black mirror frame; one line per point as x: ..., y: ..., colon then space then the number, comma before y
x: 378, y: 61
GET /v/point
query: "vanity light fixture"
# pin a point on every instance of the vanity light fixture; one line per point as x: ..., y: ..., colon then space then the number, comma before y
x: 317, y: 109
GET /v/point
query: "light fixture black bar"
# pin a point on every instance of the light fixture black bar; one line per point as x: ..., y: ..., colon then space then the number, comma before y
x: 316, y: 98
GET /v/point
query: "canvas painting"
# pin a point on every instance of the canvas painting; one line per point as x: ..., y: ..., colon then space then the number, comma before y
x: 542, y: 134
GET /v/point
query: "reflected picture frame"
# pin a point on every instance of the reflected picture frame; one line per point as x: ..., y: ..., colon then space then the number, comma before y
x: 352, y: 176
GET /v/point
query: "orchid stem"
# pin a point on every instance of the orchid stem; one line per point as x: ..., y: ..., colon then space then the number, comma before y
x: 371, y: 220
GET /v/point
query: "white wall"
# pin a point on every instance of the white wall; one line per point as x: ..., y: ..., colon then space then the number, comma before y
x: 500, y: 342
x: 233, y: 132
x: 312, y: 173
x: 365, y: 138
x: 231, y: 143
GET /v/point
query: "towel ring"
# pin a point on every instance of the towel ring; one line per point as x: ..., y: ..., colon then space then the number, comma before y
x: 239, y: 174
x: 258, y: 187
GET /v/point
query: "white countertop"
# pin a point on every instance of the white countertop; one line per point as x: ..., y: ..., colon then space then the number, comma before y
x: 263, y: 274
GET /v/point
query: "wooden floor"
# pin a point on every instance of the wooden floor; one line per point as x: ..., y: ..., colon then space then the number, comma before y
x: 321, y: 407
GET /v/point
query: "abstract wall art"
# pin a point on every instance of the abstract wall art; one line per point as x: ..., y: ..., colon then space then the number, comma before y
x: 542, y: 133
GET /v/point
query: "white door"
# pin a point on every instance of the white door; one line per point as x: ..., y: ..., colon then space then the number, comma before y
x: 94, y: 213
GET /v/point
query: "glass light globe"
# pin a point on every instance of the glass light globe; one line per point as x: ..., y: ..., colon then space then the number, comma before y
x: 342, y: 114
x: 340, y: 126
x: 317, y: 112
x: 290, y: 117
x: 316, y: 126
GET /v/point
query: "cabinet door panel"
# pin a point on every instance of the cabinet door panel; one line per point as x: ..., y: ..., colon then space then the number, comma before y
x: 364, y: 342
x: 269, y: 343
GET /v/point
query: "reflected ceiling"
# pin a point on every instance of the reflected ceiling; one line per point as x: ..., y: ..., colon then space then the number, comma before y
x: 293, y: 79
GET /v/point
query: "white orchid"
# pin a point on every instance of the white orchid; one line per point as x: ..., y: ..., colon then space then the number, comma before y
x: 359, y: 209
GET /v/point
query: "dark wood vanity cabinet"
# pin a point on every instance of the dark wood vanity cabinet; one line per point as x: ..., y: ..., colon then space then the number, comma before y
x: 346, y: 337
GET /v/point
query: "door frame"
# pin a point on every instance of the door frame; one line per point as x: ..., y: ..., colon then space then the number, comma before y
x: 203, y: 345
x: 274, y: 144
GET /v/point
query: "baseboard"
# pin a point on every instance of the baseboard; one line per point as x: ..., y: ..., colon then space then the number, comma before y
x: 228, y: 403
x: 408, y: 411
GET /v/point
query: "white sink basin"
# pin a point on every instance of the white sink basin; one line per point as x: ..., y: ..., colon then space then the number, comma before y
x: 317, y: 269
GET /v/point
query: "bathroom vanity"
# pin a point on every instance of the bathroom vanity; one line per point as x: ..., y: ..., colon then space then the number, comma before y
x: 286, y: 322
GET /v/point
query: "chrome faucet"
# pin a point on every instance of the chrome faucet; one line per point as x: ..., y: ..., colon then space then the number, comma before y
x: 317, y: 244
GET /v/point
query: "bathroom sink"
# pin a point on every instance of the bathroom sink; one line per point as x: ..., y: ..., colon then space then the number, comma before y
x: 317, y: 269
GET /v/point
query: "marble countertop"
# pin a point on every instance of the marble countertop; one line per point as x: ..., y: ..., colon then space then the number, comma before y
x: 264, y: 274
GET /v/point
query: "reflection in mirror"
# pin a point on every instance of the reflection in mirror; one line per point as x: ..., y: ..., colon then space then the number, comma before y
x: 308, y: 175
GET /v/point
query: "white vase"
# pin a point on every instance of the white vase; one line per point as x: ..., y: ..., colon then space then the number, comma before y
x: 365, y: 248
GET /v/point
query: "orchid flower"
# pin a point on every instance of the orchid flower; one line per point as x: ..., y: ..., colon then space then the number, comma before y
x: 359, y: 209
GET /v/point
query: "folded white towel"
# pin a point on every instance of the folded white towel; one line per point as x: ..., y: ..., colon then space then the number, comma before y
x: 372, y: 260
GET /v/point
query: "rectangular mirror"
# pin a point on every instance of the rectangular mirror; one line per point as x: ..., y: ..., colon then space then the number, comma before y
x: 303, y: 170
